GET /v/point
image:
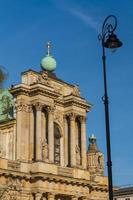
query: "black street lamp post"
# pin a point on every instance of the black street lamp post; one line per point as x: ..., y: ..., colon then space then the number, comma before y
x: 108, y: 40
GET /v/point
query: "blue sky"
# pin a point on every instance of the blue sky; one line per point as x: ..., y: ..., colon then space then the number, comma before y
x: 73, y: 26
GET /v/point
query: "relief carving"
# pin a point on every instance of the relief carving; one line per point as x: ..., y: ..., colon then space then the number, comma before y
x: 58, y: 117
x: 43, y: 79
x: 21, y: 106
x: 12, y: 190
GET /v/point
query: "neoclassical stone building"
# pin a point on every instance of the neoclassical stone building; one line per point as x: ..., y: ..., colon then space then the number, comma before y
x: 43, y: 152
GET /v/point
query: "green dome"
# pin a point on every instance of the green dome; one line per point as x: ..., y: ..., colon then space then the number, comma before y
x: 48, y: 63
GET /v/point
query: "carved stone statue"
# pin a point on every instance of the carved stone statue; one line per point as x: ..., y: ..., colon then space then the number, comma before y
x: 100, y: 161
x: 78, y: 158
x: 45, y: 150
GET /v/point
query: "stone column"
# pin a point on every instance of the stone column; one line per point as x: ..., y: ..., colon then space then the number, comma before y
x: 73, y: 139
x: 51, y: 133
x: 38, y: 196
x: 38, y: 132
x: 83, y: 142
x: 51, y: 196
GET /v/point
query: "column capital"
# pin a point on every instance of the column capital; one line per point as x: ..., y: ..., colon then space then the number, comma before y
x: 51, y: 109
x: 82, y: 119
x: 21, y: 106
x: 72, y: 116
x: 29, y: 108
x: 38, y: 106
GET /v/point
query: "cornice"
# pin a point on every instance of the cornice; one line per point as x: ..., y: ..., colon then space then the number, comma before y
x: 33, y: 177
x: 77, y: 101
x: 33, y: 90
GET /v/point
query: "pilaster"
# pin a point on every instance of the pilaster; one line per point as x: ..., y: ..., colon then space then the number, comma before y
x: 22, y: 129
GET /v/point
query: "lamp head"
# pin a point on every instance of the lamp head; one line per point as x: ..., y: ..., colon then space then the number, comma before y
x: 112, y: 42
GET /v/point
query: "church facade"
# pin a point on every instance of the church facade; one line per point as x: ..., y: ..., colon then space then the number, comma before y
x: 43, y: 152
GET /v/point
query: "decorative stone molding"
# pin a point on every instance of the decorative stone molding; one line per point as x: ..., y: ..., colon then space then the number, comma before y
x: 12, y: 189
x: 43, y: 79
x: 21, y: 106
x: 58, y: 117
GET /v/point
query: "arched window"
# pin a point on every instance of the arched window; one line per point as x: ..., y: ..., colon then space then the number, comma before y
x: 57, y: 137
